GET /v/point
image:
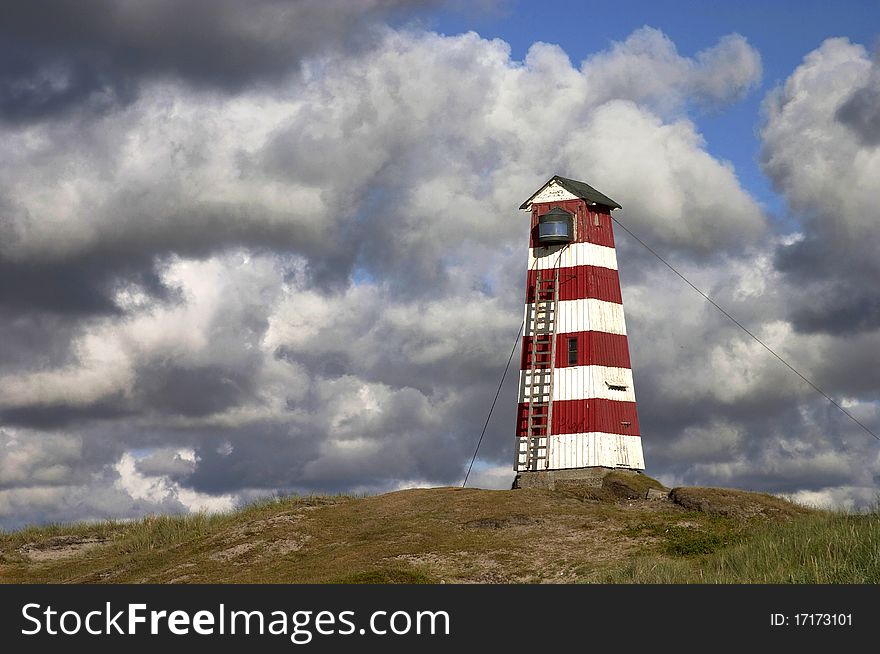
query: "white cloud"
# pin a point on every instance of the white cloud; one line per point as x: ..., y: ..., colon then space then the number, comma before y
x: 159, y: 490
x: 823, y: 168
x: 837, y: 497
x: 499, y: 477
x: 718, y: 439
x: 30, y: 458
x: 673, y: 192
x: 647, y: 68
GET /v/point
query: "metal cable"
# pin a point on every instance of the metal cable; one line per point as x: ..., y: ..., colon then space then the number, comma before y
x: 743, y: 327
x: 504, y: 374
x: 705, y: 297
x: 492, y: 408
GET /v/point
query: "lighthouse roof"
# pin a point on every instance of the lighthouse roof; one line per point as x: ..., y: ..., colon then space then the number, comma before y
x: 562, y: 188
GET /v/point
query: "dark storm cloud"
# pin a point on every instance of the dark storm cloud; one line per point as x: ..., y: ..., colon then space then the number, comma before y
x: 861, y: 112
x: 142, y: 234
x: 34, y: 338
x: 82, y: 286
x: 404, y: 444
x: 62, y: 54
x: 330, y: 365
x: 166, y: 461
x: 173, y: 389
x: 839, y: 308
x: 316, y: 451
x: 831, y: 289
x: 36, y: 82
x: 272, y: 456
x: 66, y: 416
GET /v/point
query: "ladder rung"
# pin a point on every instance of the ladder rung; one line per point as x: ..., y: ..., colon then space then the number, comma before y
x: 539, y: 377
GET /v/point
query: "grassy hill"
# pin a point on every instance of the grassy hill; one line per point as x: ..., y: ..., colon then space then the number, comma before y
x: 452, y: 535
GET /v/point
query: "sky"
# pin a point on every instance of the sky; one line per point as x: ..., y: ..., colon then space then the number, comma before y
x: 272, y: 247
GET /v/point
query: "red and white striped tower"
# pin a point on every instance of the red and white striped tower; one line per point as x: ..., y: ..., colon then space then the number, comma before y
x: 577, y: 406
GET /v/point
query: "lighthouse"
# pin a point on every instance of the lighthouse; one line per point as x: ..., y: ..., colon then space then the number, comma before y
x: 576, y: 409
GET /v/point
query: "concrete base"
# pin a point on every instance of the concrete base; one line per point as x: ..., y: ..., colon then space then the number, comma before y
x: 548, y: 479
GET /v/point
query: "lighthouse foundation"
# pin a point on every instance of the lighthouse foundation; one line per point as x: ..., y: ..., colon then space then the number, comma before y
x: 549, y: 479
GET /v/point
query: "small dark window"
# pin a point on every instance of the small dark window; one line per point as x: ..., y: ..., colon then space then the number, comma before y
x: 572, y: 351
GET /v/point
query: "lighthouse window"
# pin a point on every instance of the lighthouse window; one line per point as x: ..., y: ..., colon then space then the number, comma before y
x: 572, y: 351
x: 555, y: 227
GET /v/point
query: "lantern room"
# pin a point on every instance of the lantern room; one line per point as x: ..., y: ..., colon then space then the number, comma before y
x: 556, y: 227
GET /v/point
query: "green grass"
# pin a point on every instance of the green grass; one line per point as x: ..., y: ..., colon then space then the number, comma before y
x: 694, y: 534
x: 820, y: 548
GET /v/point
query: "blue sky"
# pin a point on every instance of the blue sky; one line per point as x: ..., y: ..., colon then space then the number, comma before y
x: 783, y: 33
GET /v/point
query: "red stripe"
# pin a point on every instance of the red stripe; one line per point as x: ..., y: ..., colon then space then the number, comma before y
x: 584, y: 416
x: 593, y: 349
x: 585, y: 217
x: 580, y: 283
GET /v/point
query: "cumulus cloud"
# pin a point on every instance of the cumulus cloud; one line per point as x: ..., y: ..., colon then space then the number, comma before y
x: 181, y: 172
x: 819, y: 152
x: 312, y: 285
x: 27, y: 459
x: 660, y: 173
x: 158, y: 491
x: 647, y: 68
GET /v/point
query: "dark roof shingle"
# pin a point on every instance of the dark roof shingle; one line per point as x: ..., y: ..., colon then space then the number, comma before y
x: 581, y: 189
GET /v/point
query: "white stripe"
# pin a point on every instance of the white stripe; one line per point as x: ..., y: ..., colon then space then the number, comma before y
x: 587, y: 450
x: 582, y: 316
x: 578, y: 383
x: 576, y: 254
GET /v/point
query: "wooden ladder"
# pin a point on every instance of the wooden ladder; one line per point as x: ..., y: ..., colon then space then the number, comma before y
x: 538, y: 383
